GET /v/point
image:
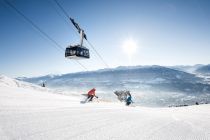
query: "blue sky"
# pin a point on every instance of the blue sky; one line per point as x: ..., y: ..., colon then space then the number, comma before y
x: 165, y: 32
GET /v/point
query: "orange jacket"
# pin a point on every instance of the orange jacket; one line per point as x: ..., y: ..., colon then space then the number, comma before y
x: 92, y: 92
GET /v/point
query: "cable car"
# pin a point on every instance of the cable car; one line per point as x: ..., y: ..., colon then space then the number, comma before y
x: 77, y: 51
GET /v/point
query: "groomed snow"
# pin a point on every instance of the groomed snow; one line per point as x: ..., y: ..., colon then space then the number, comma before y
x: 36, y: 114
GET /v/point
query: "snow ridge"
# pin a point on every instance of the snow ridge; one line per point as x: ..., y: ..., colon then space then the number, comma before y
x: 13, y: 83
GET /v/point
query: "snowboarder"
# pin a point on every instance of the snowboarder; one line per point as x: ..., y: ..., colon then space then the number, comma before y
x: 91, y: 94
x: 129, y: 99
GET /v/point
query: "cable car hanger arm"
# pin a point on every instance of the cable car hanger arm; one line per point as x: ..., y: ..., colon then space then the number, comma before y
x: 76, y: 25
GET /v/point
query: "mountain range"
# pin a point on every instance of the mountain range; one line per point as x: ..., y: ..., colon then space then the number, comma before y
x: 149, y: 84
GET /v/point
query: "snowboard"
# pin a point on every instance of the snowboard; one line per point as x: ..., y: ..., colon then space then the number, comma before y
x: 86, y: 100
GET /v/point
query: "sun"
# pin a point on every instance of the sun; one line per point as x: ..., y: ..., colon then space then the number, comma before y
x: 129, y: 47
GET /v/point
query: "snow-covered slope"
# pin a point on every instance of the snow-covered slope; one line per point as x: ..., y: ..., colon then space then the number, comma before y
x: 13, y: 83
x: 18, y: 93
x: 29, y: 114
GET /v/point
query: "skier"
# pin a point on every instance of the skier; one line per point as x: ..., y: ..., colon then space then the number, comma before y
x: 129, y: 99
x: 43, y: 84
x: 91, y: 94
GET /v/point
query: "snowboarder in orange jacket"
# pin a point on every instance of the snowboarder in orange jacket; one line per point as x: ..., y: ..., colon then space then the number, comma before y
x: 91, y: 94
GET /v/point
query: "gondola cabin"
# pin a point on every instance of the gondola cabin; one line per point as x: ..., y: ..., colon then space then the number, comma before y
x: 77, y: 52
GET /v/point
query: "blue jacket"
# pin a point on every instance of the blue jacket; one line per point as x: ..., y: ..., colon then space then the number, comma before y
x: 129, y: 99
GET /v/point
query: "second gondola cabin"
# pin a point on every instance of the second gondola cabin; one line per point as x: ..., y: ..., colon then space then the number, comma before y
x: 77, y: 52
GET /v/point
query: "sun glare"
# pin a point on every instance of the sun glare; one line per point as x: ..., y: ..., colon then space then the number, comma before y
x: 129, y: 47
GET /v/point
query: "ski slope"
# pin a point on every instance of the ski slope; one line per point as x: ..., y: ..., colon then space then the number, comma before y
x: 29, y: 112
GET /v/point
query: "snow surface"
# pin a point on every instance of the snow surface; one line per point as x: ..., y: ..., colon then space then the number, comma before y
x: 28, y: 112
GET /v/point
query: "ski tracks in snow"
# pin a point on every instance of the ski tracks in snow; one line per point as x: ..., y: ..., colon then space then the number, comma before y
x: 45, y: 116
